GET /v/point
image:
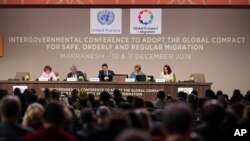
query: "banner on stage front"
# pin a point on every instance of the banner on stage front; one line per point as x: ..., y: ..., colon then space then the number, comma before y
x: 105, y: 21
x: 145, y: 21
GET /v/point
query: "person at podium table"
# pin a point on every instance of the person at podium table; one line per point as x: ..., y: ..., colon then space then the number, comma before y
x: 48, y: 74
x: 137, y: 71
x: 74, y: 73
x: 105, y: 74
x: 167, y: 74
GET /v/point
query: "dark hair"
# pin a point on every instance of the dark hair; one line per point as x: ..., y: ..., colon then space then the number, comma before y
x: 10, y: 107
x: 168, y: 68
x: 104, y: 65
x: 104, y: 96
x: 17, y: 91
x: 177, y: 118
x: 3, y: 93
x: 138, y: 103
x: 87, y: 116
x: 47, y: 68
x: 213, y: 112
x: 54, y: 113
x: 161, y: 95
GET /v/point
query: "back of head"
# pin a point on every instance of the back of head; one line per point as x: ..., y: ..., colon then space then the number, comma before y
x: 161, y: 95
x: 17, y: 91
x: 177, y: 118
x: 87, y: 116
x: 117, y: 94
x: 138, y: 103
x: 212, y: 112
x: 116, y: 122
x: 104, y: 97
x: 10, y: 107
x: 3, y: 93
x: 54, y: 114
x: 133, y: 135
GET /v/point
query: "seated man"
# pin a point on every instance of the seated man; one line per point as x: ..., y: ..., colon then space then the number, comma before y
x: 137, y: 71
x: 74, y: 73
x: 105, y: 74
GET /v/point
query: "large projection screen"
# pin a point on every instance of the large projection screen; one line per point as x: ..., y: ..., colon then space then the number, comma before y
x: 213, y: 41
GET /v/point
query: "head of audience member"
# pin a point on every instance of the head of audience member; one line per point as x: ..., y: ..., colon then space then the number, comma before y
x: 42, y: 101
x: 47, y: 93
x: 137, y: 68
x: 105, y: 98
x: 209, y: 94
x: 47, y: 69
x: 161, y: 95
x: 129, y: 99
x: 238, y: 108
x: 177, y: 120
x: 116, y: 122
x: 144, y: 118
x: 54, y: 115
x: 219, y: 93
x: 73, y: 69
x: 134, y: 135
x: 102, y: 113
x: 167, y: 70
x: 17, y: 91
x: 194, y: 92
x: 33, y: 116
x: 182, y: 96
x: 87, y: 116
x: 138, y: 103
x: 55, y: 95
x: 68, y: 123
x: 91, y: 97
x: 3, y: 93
x: 118, y: 96
x: 237, y: 96
x: 212, y: 113
x: 74, y: 93
x: 246, y: 116
x: 105, y: 67
x: 192, y: 100
x: 31, y: 97
x: 247, y: 96
x: 10, y: 108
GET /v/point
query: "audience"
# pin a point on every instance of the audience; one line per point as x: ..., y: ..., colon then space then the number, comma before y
x: 10, y: 111
x: 89, y: 117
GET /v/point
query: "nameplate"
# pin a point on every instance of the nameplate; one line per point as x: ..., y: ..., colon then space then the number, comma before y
x: 160, y: 80
x: 43, y: 79
x: 94, y: 79
x: 129, y: 79
x: 71, y: 79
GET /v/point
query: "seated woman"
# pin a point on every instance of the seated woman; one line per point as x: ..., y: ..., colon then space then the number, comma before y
x: 137, y: 71
x: 167, y: 74
x: 48, y: 74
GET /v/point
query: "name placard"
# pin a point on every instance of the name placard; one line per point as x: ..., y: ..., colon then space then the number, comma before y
x: 160, y: 80
x: 129, y: 79
x: 94, y: 79
x: 43, y: 79
x: 71, y: 79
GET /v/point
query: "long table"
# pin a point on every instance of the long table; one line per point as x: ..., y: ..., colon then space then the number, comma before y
x: 146, y: 90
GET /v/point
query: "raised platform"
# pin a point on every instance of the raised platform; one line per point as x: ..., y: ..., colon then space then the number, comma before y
x: 146, y: 90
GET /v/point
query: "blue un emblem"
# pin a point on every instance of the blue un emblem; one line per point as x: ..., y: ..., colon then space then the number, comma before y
x: 105, y: 17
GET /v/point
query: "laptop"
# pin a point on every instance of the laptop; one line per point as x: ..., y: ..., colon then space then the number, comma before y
x: 140, y: 78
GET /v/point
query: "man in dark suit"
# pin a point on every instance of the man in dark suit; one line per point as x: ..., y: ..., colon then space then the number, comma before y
x: 74, y: 73
x: 10, y: 109
x: 105, y: 74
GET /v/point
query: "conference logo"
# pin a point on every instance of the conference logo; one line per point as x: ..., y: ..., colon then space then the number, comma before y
x: 145, y: 17
x: 105, y: 17
x: 105, y: 21
x: 145, y: 21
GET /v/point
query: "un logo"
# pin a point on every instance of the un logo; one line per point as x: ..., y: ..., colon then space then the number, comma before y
x: 105, y: 17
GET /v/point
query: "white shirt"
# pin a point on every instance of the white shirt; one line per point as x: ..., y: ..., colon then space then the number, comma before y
x: 167, y: 77
x: 48, y: 76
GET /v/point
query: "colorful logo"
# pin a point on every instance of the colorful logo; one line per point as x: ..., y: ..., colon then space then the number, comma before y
x: 145, y: 17
x: 105, y: 17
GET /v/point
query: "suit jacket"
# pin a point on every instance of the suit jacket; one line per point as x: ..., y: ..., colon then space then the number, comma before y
x: 102, y: 74
x: 12, y: 131
x: 78, y: 73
